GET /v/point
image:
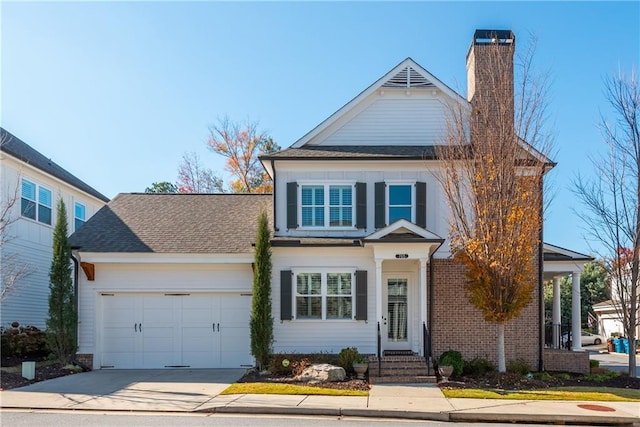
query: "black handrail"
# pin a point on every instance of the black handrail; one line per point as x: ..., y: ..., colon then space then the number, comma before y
x: 379, y: 352
x: 425, y: 343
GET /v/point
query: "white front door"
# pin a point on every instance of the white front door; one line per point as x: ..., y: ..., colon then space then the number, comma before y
x: 396, y: 307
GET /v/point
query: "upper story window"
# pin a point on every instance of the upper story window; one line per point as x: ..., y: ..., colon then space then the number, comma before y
x: 326, y: 205
x: 400, y: 202
x: 35, y: 202
x: 324, y: 295
x: 79, y: 215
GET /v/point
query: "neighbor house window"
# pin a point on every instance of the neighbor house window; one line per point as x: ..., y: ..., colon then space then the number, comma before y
x: 400, y: 202
x: 80, y: 215
x: 316, y: 212
x: 35, y: 202
x: 324, y: 295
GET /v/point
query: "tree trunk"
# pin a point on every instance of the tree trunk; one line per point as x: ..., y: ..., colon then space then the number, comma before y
x: 502, y: 366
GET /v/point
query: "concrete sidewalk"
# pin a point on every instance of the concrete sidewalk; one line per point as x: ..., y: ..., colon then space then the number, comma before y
x: 199, y: 391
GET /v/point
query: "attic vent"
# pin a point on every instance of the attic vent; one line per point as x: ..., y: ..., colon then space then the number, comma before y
x: 408, y: 78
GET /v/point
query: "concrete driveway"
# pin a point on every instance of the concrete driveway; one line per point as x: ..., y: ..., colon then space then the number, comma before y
x: 139, y: 390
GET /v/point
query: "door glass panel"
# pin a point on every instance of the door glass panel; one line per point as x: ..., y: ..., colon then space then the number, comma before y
x: 397, y: 309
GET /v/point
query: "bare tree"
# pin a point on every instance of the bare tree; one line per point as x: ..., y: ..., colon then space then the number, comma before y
x: 241, y: 144
x: 612, y: 201
x: 195, y: 178
x: 493, y: 164
x: 12, y: 268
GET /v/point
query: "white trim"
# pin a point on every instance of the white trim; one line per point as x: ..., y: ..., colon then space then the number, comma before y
x: 157, y: 258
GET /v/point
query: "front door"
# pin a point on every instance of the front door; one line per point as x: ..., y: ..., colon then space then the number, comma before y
x: 397, y: 315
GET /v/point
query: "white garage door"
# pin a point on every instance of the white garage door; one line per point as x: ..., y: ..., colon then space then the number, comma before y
x: 171, y: 330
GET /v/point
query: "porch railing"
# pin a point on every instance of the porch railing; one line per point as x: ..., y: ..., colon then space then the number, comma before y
x: 379, y: 351
x: 426, y: 350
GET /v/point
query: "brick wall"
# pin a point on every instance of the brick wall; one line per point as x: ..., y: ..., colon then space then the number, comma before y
x: 86, y: 359
x: 458, y: 325
x: 566, y: 361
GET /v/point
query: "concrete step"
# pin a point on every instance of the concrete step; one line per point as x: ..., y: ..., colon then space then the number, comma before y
x: 403, y: 379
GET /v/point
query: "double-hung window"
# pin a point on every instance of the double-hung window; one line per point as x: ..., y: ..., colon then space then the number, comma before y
x: 400, y: 202
x: 35, y: 202
x: 325, y: 295
x: 326, y: 205
x: 79, y: 215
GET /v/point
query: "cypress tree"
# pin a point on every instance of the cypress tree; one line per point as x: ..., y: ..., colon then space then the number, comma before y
x: 261, y: 323
x: 62, y: 321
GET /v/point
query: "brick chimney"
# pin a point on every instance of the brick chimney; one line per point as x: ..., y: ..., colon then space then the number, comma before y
x: 490, y: 77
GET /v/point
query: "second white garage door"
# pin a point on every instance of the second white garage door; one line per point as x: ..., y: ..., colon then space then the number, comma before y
x: 171, y: 330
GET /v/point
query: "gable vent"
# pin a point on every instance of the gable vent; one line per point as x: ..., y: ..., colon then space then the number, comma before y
x: 408, y: 78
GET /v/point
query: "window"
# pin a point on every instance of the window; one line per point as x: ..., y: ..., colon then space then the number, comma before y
x: 39, y: 208
x: 400, y: 202
x: 326, y: 295
x: 315, y: 212
x: 79, y: 215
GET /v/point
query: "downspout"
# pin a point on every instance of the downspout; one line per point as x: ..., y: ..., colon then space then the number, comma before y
x: 430, y: 315
x: 540, y: 285
x: 76, y: 264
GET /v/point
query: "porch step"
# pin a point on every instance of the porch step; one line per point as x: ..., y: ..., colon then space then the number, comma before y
x: 400, y: 369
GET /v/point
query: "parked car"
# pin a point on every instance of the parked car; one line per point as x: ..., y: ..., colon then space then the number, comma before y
x: 586, y: 338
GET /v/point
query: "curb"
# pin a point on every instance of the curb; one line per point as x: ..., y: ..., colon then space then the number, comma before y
x: 544, y: 419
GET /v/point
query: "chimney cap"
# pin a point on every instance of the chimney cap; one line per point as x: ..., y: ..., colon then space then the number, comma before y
x: 494, y: 36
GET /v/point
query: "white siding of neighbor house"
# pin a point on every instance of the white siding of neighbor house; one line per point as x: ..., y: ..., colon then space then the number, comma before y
x: 369, y: 172
x: 155, y: 277
x: 311, y: 336
x: 391, y: 117
x: 30, y: 242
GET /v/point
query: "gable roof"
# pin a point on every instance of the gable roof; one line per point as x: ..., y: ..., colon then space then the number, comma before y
x: 403, y: 231
x: 557, y: 253
x: 22, y: 151
x: 174, y: 223
x: 407, y: 74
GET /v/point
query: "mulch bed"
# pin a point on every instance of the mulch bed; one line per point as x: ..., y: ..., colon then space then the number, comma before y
x: 347, y: 384
x: 10, y: 380
x: 509, y: 381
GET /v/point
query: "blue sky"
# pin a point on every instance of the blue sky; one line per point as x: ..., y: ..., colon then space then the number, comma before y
x: 116, y: 92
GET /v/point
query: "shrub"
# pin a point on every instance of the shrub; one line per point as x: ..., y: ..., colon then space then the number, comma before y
x: 594, y: 363
x: 601, y: 377
x: 518, y: 366
x: 563, y: 376
x: 478, y: 366
x: 452, y: 358
x: 542, y: 376
x: 346, y: 357
x: 23, y: 341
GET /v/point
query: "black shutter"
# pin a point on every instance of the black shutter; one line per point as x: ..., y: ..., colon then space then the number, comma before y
x: 380, y: 203
x: 361, y: 205
x: 361, y: 295
x: 285, y: 295
x: 421, y: 204
x: 292, y: 205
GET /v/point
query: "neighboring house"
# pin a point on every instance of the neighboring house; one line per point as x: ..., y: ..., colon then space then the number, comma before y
x: 610, y: 314
x: 35, y: 183
x: 360, y: 251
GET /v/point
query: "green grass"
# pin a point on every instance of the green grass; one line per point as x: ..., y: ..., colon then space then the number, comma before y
x: 279, y: 388
x: 604, y: 394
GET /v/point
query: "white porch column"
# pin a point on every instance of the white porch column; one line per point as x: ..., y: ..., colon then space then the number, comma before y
x: 576, y: 317
x: 379, y: 290
x: 423, y: 299
x: 557, y: 313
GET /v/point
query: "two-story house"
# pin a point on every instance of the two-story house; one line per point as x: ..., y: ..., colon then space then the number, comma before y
x: 360, y: 250
x: 31, y: 185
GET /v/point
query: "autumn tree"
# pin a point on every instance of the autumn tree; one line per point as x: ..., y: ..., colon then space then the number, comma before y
x: 62, y: 321
x: 161, y: 187
x: 612, y: 200
x: 493, y: 164
x: 193, y: 177
x: 241, y: 144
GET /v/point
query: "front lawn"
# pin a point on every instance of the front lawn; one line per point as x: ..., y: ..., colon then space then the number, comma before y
x: 282, y: 388
x: 604, y: 394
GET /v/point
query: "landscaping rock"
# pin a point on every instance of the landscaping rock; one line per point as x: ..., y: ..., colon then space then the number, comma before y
x: 322, y: 372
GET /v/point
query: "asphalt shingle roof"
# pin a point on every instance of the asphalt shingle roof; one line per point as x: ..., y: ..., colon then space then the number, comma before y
x: 174, y: 223
x: 356, y: 152
x: 24, y: 152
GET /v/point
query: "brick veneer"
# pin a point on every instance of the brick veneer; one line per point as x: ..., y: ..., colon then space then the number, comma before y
x: 458, y: 325
x: 566, y: 361
x: 86, y: 359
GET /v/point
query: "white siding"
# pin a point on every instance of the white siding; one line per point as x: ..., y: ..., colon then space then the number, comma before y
x: 31, y: 241
x: 138, y: 278
x: 390, y: 117
x: 305, y: 336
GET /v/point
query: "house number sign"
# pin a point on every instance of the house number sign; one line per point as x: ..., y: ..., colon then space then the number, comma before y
x: 402, y: 256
